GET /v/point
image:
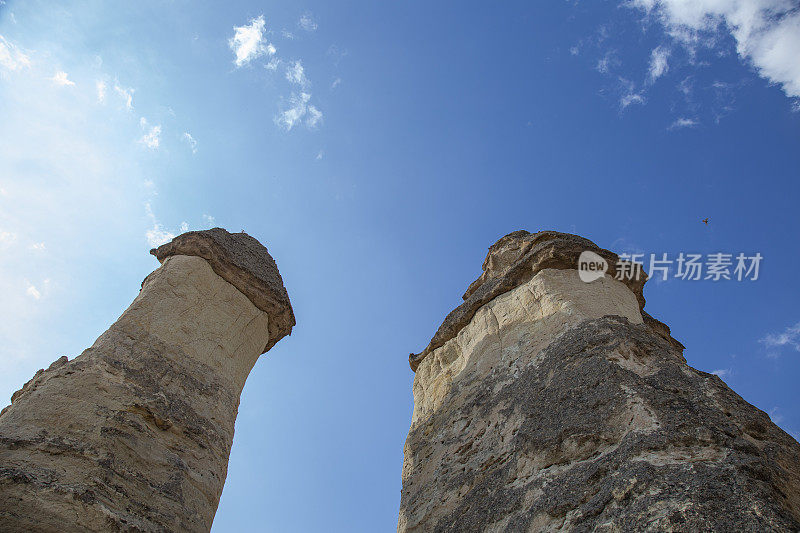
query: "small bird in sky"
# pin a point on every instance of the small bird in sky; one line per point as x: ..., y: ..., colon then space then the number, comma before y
x: 705, y: 221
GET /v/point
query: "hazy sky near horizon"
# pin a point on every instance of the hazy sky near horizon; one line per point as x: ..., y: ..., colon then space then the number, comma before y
x: 377, y: 149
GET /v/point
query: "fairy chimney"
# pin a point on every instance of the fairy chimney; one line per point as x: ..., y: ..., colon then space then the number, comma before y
x: 134, y: 434
x: 546, y: 403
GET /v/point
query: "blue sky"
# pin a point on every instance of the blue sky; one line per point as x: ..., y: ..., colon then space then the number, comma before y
x: 378, y: 149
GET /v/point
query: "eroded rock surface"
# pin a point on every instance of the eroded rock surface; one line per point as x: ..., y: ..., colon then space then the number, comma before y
x: 246, y: 264
x: 551, y: 404
x: 135, y: 433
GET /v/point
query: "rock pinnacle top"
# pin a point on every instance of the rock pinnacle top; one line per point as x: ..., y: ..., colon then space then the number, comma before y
x: 246, y: 264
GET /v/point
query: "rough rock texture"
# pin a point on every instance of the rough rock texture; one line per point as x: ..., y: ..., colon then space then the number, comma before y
x: 246, y: 264
x: 558, y: 405
x: 134, y: 434
x: 513, y: 260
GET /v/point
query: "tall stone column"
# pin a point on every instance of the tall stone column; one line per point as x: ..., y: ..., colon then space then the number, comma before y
x: 544, y: 403
x: 134, y: 434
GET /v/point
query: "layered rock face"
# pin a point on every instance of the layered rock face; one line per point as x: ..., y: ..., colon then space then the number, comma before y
x: 544, y: 403
x: 135, y: 433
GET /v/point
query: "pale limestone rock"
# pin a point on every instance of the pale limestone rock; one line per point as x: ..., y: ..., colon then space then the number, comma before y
x: 135, y: 433
x: 547, y: 404
x: 530, y: 315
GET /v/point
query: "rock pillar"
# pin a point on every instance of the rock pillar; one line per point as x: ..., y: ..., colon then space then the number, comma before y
x: 134, y: 434
x: 544, y: 403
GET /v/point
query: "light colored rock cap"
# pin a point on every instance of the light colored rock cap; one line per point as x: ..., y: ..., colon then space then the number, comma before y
x: 246, y: 264
x: 515, y: 259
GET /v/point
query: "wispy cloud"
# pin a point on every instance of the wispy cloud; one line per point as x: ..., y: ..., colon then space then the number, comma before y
x: 630, y: 98
x: 683, y: 122
x: 603, y: 65
x: 11, y: 57
x: 208, y: 220
x: 629, y: 94
x: 658, y: 63
x: 152, y: 137
x: 766, y: 32
x: 314, y: 117
x: 299, y: 111
x: 248, y: 42
x: 7, y: 238
x: 336, y: 83
x: 307, y: 22
x: 296, y: 74
x: 126, y: 94
x: 191, y: 141
x: 33, y: 292
x: 156, y: 235
x: 60, y: 78
x: 723, y: 372
x: 101, y: 87
x: 789, y: 337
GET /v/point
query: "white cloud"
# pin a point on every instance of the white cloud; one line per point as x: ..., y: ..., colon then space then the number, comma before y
x: 307, y: 22
x: 723, y: 372
x: 630, y: 98
x: 100, y: 85
x: 248, y: 42
x: 7, y: 238
x: 33, y: 292
x: 629, y: 94
x: 156, y: 235
x: 126, y: 94
x: 273, y: 64
x: 766, y: 32
x: 60, y: 78
x: 38, y: 246
x: 287, y: 34
x: 574, y: 50
x: 295, y: 73
x: 294, y: 114
x: 603, y: 65
x: 336, y: 83
x: 788, y: 337
x: 683, y: 122
x: 191, y: 140
x: 152, y: 136
x: 184, y: 227
x: 208, y: 220
x: 775, y: 416
x: 685, y: 87
x: 320, y: 155
x: 658, y: 63
x: 314, y: 117
x: 300, y: 110
x: 11, y: 57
